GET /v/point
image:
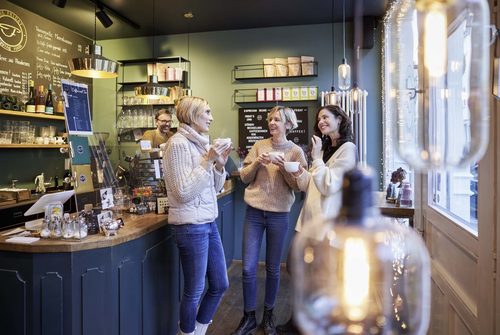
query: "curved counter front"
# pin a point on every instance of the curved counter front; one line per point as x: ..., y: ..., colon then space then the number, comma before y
x: 119, y: 285
x: 125, y: 284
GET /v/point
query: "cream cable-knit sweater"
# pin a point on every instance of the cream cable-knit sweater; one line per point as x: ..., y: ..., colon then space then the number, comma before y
x: 270, y: 189
x: 191, y: 189
x: 323, y: 186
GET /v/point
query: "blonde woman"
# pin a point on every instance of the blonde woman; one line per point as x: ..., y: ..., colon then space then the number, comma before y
x: 194, y: 173
x: 269, y: 197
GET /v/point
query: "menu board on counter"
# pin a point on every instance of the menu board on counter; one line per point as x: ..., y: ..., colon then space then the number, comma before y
x: 34, y: 48
x: 76, y: 108
x: 253, y: 126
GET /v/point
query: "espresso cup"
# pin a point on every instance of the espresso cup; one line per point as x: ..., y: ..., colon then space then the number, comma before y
x: 273, y: 155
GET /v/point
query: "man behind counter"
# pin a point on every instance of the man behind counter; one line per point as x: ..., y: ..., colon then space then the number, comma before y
x: 162, y: 132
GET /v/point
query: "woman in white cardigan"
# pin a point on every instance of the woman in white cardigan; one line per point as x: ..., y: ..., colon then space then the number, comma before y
x: 332, y: 154
x: 194, y: 173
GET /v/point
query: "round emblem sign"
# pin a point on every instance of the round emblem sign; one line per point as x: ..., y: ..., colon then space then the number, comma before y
x: 13, y: 34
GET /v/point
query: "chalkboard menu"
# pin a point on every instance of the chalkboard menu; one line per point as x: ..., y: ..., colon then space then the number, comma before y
x: 35, y: 48
x: 253, y: 126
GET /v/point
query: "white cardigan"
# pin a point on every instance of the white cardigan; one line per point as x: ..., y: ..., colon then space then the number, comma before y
x: 323, y: 186
x: 191, y: 190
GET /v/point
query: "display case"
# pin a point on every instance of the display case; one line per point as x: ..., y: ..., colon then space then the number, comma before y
x: 135, y: 113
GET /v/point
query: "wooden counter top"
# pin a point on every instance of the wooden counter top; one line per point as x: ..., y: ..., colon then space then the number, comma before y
x: 135, y: 226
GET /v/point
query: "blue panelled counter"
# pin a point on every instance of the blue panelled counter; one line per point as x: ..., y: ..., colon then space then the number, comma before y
x: 124, y: 284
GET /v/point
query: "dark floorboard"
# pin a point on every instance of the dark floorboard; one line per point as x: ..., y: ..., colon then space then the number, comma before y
x: 230, y: 310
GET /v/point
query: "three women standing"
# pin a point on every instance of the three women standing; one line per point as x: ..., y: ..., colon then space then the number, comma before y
x: 269, y: 197
x: 194, y: 173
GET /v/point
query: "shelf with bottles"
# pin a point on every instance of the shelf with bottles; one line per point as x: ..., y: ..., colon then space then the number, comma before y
x: 32, y: 146
x: 275, y: 94
x: 33, y: 115
x: 258, y: 71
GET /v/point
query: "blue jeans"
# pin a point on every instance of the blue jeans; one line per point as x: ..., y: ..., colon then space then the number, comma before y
x: 201, y: 254
x: 275, y: 224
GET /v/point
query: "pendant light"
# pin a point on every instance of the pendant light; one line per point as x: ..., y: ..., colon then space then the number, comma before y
x: 360, y: 273
x: 344, y: 70
x: 94, y: 65
x: 439, y: 81
x: 333, y: 96
x: 152, y: 90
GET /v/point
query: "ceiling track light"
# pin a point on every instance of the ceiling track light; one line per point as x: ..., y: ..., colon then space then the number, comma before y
x: 93, y: 64
x: 59, y: 3
x: 104, y: 18
x: 102, y: 6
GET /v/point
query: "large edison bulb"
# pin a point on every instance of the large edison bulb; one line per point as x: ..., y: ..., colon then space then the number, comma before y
x: 344, y: 74
x: 360, y: 273
x: 437, y: 84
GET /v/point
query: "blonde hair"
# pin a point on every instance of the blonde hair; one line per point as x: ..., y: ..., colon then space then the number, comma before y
x: 188, y: 108
x: 287, y: 115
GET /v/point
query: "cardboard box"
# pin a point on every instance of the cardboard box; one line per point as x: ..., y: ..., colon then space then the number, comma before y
x: 294, y: 66
x: 281, y: 65
x: 295, y: 93
x: 269, y: 94
x: 313, y: 92
x: 269, y: 70
x: 286, y: 93
x: 304, y: 93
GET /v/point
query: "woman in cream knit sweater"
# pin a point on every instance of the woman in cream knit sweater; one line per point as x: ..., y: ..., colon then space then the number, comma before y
x: 194, y: 173
x: 269, y: 197
x: 332, y: 154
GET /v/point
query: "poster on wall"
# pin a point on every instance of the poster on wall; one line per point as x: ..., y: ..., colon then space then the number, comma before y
x: 253, y: 126
x: 76, y: 108
x: 34, y: 48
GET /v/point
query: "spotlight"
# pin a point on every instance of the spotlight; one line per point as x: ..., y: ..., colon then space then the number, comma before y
x: 59, y: 3
x: 104, y: 18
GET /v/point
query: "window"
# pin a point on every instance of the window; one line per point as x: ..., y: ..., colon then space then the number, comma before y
x: 454, y: 193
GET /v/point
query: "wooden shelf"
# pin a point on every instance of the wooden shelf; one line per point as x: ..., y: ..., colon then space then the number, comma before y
x: 33, y: 115
x: 32, y: 146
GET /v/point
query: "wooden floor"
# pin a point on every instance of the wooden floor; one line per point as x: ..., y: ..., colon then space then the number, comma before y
x: 230, y: 310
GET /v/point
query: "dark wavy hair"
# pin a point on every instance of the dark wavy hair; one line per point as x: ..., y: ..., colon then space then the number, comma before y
x: 345, y: 131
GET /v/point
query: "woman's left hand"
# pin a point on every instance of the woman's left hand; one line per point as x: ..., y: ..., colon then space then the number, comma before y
x: 223, y: 151
x: 279, y: 161
x: 316, y: 147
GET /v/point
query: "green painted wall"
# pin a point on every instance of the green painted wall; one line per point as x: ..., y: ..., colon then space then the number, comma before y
x: 213, y: 55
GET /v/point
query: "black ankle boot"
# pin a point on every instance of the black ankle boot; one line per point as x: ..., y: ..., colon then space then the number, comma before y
x: 288, y: 328
x: 268, y: 322
x: 247, y: 325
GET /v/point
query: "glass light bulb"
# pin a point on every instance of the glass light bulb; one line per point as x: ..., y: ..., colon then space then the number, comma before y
x: 435, y: 40
x: 438, y: 82
x: 356, y: 279
x: 360, y: 273
x: 344, y: 73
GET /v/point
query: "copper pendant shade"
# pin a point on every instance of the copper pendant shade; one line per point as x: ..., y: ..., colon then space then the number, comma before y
x: 94, y: 65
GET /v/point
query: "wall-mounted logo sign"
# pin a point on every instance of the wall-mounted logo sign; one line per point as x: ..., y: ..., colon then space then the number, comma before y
x: 13, y: 34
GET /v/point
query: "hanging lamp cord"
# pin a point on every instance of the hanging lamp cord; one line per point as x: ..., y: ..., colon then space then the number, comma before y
x: 95, y: 22
x: 343, y: 25
x: 333, y: 46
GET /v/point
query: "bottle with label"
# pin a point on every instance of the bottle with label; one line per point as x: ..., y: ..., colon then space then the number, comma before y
x: 30, y: 103
x: 40, y: 100
x: 49, y: 102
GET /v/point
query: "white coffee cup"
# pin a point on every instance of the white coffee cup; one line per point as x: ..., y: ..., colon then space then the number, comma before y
x: 222, y: 141
x: 273, y: 155
x: 291, y: 167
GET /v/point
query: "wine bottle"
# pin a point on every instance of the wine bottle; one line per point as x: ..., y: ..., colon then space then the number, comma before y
x: 30, y: 103
x: 40, y: 100
x: 49, y: 102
